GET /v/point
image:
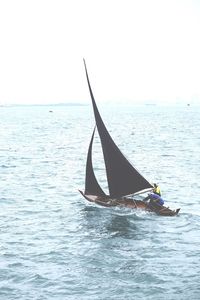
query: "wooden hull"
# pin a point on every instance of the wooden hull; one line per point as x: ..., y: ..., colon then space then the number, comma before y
x: 131, y: 203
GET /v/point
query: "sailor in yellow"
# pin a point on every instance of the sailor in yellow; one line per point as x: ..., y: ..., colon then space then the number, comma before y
x: 156, y: 189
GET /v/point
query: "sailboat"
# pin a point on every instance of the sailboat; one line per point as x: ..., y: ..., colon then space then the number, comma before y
x: 124, y: 181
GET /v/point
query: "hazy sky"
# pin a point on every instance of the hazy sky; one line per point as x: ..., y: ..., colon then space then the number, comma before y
x: 137, y: 50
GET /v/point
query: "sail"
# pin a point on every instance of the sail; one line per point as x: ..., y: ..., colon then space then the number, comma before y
x: 91, y: 185
x: 123, y: 178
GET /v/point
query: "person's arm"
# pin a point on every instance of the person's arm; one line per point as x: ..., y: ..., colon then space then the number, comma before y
x: 146, y: 198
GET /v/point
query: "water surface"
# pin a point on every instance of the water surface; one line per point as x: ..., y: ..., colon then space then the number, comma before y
x: 55, y: 245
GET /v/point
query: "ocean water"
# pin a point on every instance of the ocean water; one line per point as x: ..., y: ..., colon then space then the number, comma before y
x: 55, y: 245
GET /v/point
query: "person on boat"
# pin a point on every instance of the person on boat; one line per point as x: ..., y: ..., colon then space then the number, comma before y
x: 156, y: 189
x: 154, y: 199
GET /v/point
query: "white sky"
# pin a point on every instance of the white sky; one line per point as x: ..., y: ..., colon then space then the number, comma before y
x: 136, y: 50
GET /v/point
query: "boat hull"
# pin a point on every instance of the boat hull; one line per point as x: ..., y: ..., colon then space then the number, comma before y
x: 130, y: 203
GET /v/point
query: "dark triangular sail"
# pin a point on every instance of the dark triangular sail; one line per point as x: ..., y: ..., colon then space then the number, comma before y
x: 123, y: 178
x: 91, y: 185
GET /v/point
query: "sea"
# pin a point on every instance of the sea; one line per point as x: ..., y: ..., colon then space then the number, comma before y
x: 54, y: 245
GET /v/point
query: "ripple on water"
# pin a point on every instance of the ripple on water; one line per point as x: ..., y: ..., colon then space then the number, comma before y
x: 55, y: 245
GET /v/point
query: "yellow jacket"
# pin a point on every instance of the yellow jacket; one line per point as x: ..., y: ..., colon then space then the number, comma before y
x: 157, y: 191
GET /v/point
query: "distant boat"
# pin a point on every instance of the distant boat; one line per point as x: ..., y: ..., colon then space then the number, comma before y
x: 122, y: 178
